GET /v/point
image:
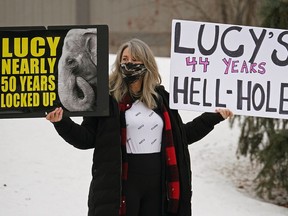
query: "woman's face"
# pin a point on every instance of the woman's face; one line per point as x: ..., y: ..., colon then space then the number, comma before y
x: 132, y: 70
x: 127, y: 57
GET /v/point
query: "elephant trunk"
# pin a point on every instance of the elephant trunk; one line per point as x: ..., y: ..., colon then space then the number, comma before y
x: 76, y: 94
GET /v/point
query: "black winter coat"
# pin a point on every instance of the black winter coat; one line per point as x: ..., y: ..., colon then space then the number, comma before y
x: 103, y: 134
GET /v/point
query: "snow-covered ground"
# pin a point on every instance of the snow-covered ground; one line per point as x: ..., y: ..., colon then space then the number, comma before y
x: 41, y: 175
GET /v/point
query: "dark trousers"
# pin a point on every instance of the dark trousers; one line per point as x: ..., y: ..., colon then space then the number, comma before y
x: 143, y: 189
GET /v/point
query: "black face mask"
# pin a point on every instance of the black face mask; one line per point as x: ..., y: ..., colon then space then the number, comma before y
x: 132, y: 72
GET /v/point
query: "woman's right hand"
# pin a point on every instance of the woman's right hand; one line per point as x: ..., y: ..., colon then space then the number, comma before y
x: 56, y: 115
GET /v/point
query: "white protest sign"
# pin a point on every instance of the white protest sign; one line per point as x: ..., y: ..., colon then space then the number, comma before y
x: 242, y: 68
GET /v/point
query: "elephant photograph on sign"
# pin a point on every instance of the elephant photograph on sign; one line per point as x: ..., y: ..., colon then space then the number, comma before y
x: 77, y: 70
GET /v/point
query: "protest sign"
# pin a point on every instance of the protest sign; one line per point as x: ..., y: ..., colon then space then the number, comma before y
x: 243, y: 68
x: 59, y: 66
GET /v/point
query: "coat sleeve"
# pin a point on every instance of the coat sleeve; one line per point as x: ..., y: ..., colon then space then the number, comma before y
x: 201, y: 126
x: 80, y: 136
x: 92, y: 129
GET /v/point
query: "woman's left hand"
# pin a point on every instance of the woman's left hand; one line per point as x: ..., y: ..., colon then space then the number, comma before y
x: 225, y: 113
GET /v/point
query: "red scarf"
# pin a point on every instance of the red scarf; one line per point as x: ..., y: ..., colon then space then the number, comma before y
x: 172, y: 174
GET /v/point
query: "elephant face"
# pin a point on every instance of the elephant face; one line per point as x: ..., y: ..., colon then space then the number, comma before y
x: 77, y: 70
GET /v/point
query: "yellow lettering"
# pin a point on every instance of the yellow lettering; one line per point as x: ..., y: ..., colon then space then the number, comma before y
x: 15, y: 101
x: 49, y: 98
x: 36, y: 100
x: 51, y: 63
x: 36, y: 43
x: 21, y: 47
x: 36, y: 84
x: 34, y: 65
x: 20, y: 100
x: 6, y: 66
x: 27, y: 66
x: 53, y: 45
x: 15, y: 66
x: 52, y: 98
x: 2, y: 101
x: 51, y: 80
x: 29, y: 84
x: 43, y: 83
x: 23, y: 82
x: 12, y: 100
x: 24, y: 67
x: 5, y: 48
x: 42, y: 66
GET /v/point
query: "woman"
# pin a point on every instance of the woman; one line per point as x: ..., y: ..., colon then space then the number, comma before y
x: 141, y: 158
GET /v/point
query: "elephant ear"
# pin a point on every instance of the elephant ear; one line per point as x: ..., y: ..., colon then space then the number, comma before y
x: 91, y: 43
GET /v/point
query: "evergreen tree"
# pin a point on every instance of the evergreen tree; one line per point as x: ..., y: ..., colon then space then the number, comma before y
x: 265, y: 140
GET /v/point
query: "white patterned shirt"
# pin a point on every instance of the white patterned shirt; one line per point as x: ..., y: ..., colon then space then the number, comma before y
x: 144, y: 129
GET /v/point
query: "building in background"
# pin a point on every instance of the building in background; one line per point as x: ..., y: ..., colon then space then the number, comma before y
x: 149, y: 20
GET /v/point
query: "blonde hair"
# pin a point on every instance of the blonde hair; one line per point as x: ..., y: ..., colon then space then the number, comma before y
x: 140, y: 51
